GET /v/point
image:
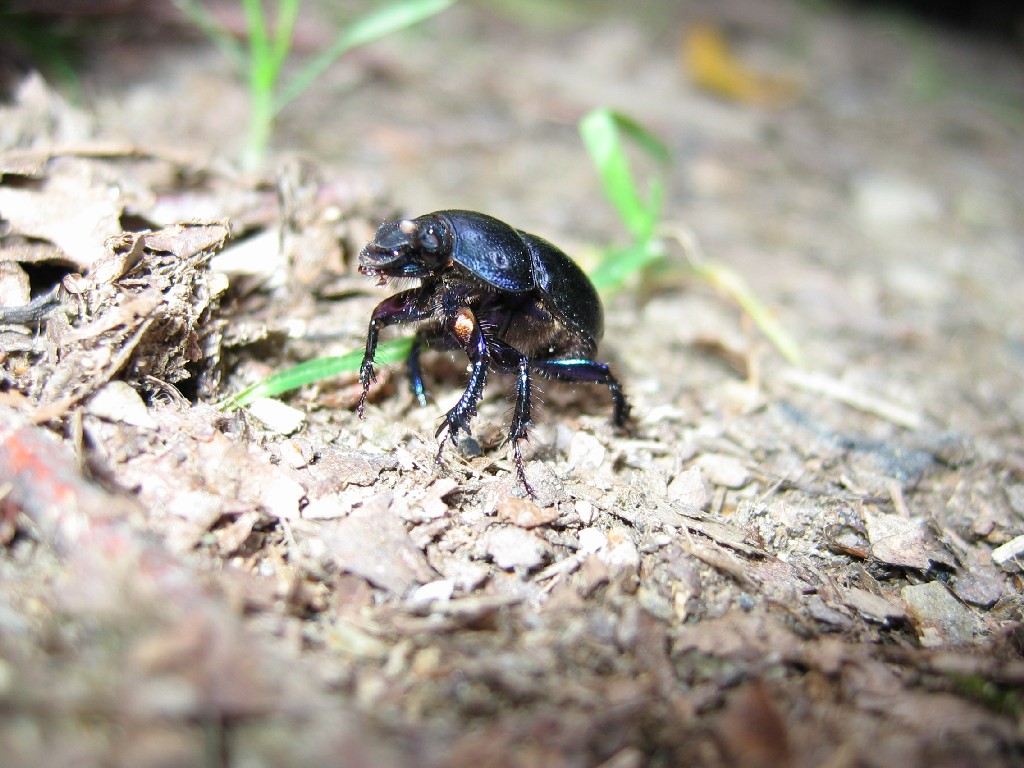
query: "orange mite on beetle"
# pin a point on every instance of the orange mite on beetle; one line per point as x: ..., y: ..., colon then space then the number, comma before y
x: 512, y: 301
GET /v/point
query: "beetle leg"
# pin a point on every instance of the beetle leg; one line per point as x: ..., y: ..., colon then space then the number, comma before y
x: 403, y: 307
x: 588, y: 371
x: 508, y: 359
x: 415, y: 372
x: 470, y: 335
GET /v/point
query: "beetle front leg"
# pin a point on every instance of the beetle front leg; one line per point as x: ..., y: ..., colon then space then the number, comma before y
x: 419, y: 391
x: 401, y: 308
x: 470, y: 335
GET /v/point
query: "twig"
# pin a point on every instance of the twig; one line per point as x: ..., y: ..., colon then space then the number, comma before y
x: 822, y: 384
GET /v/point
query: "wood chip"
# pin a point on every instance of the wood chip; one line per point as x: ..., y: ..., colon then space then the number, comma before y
x: 897, y: 540
x: 821, y: 384
x: 1010, y: 555
x: 872, y: 606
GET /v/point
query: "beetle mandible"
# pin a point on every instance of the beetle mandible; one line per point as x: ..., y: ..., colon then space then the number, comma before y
x: 512, y: 301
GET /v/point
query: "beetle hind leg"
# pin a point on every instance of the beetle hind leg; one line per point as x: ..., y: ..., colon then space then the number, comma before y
x: 520, y: 422
x: 509, y: 359
x: 588, y: 372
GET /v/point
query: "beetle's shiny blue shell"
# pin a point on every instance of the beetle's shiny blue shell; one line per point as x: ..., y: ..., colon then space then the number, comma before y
x: 516, y: 261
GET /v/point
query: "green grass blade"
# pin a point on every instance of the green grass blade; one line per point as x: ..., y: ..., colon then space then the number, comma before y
x: 618, y: 264
x: 373, y: 26
x: 602, y: 131
x: 729, y: 282
x: 643, y: 138
x: 287, y: 13
x: 204, y: 21
x: 262, y: 75
x: 317, y: 370
x: 259, y: 42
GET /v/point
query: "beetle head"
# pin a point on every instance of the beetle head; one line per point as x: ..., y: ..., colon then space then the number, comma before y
x: 407, y: 248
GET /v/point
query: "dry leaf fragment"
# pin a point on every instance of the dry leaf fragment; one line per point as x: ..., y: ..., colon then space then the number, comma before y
x: 123, y: 253
x: 276, y: 490
x: 117, y: 402
x: 72, y: 207
x: 620, y: 554
x: 277, y: 416
x: 691, y: 489
x: 231, y: 537
x: 425, y: 504
x: 346, y: 637
x: 711, y: 65
x: 525, y: 513
x: 335, y: 469
x: 728, y: 535
x: 187, y: 240
x: 372, y: 542
x: 15, y: 290
x: 722, y: 470
x: 22, y: 162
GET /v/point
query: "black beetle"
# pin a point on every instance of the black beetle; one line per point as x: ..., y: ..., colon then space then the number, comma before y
x: 511, y: 300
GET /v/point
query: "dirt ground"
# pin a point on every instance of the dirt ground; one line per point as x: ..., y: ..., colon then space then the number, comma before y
x: 783, y: 565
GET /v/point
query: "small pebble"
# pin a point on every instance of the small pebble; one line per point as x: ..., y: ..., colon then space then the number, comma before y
x: 585, y: 510
x: 592, y: 540
x: 886, y: 200
x: 277, y: 416
x: 469, y: 447
x: 621, y: 552
x: 434, y: 592
x: 872, y: 606
x: 940, y: 618
x: 296, y: 453
x: 724, y: 470
x: 586, y: 451
x: 511, y: 548
x: 119, y: 403
x: 691, y: 488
